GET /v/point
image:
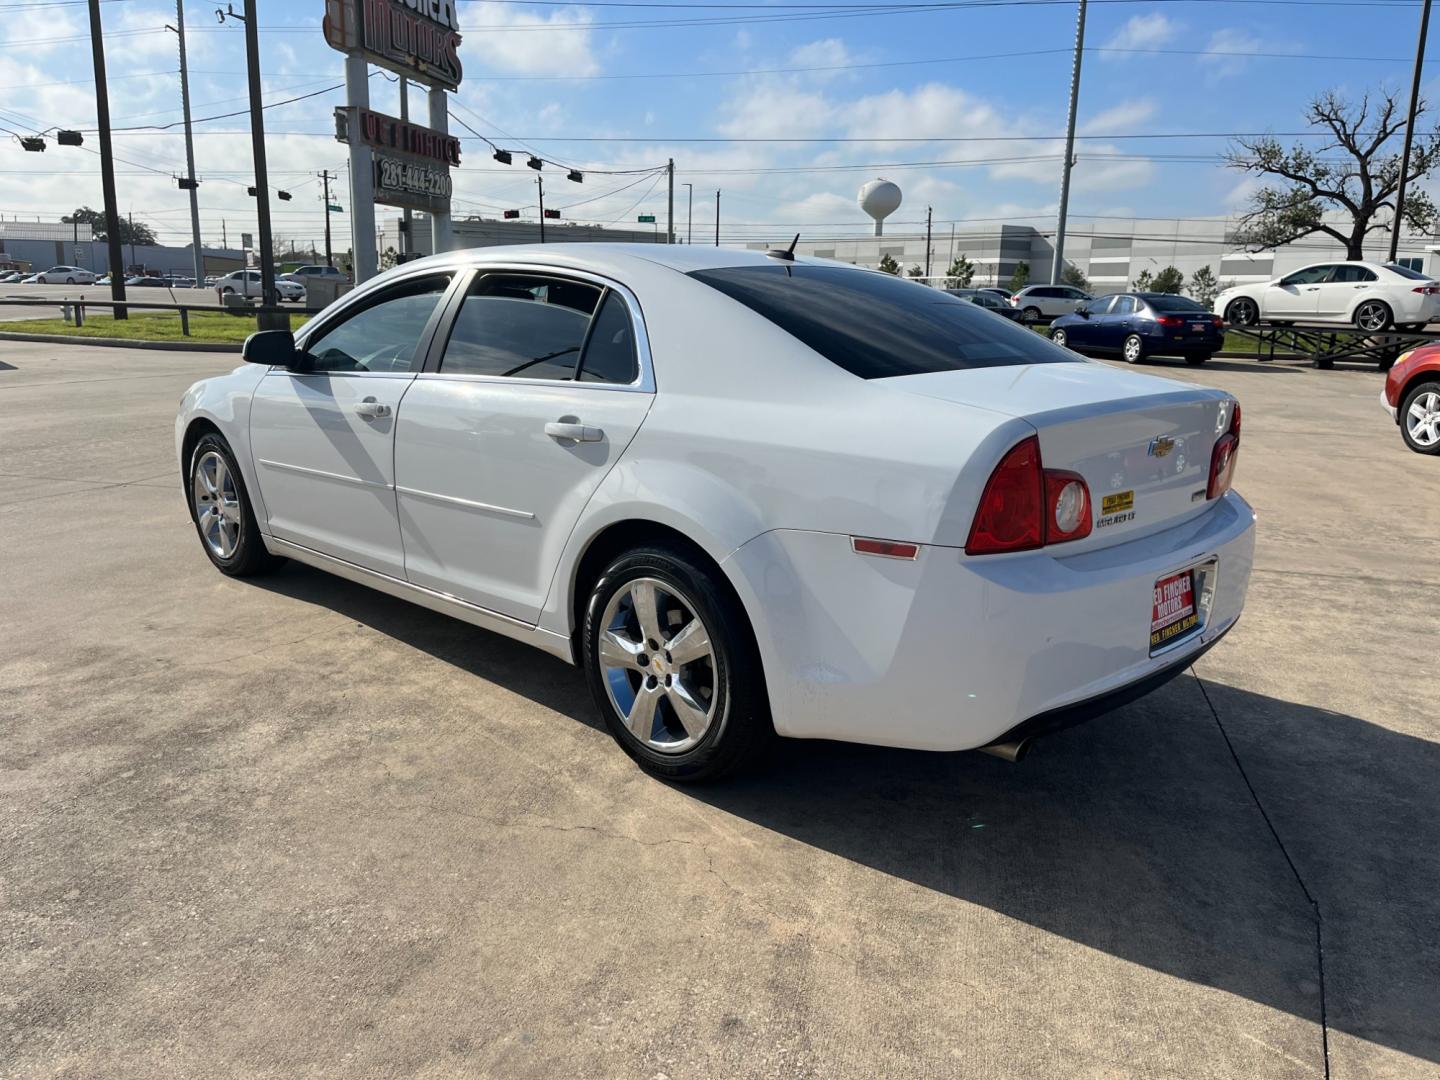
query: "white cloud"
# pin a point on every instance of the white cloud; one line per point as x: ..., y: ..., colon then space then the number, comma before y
x: 1144, y: 32
x: 1122, y: 118
x: 564, y: 46
x: 1225, y: 41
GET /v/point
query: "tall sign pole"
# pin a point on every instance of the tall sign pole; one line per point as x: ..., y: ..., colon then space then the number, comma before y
x: 670, y: 222
x: 1409, y: 131
x: 717, y: 219
x: 362, y: 170
x: 540, y: 183
x: 107, y: 165
x: 441, y: 235
x: 1058, y: 266
x: 407, y: 216
x: 189, y: 147
x: 257, y: 143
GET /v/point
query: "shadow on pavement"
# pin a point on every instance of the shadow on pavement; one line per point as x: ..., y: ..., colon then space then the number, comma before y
x: 1134, y: 834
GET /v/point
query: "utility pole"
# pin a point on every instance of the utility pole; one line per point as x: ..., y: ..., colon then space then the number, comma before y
x: 540, y: 183
x: 179, y: 29
x: 406, y: 215
x: 224, y: 235
x: 1058, y: 266
x: 670, y: 225
x: 929, y: 212
x: 1409, y: 131
x: 131, y: 218
x: 690, y: 216
x: 717, y: 219
x: 257, y: 143
x: 329, y: 256
x: 107, y: 163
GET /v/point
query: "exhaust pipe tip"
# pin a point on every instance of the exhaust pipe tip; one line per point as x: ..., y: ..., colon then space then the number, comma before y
x: 1009, y: 751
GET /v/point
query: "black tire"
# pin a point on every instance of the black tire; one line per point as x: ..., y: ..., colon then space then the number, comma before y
x: 1059, y: 337
x: 740, y: 730
x: 1242, y: 311
x: 1133, y: 350
x: 1416, y: 392
x: 1030, y: 315
x: 1196, y: 361
x: 249, y: 556
x: 1374, y: 316
x: 69, y: 281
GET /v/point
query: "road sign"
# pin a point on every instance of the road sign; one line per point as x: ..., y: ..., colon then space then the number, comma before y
x: 646, y: 219
x: 247, y: 240
x: 334, y: 209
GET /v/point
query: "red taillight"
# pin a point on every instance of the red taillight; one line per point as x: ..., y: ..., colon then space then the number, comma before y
x: 1026, y: 506
x: 1219, y: 322
x: 1222, y: 458
x: 1170, y: 320
x: 1426, y: 290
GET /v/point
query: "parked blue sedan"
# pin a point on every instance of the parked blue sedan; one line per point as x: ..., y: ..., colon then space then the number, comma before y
x: 1138, y: 325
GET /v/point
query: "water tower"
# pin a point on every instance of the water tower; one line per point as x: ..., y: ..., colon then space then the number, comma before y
x: 880, y: 198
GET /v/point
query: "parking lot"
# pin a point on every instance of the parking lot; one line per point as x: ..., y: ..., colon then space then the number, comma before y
x: 292, y: 827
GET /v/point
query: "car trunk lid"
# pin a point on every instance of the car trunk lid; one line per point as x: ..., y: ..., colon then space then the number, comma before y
x: 1141, y: 443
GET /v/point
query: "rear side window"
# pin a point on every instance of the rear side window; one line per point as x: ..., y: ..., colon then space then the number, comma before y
x: 1124, y: 305
x: 875, y: 325
x: 1174, y: 303
x: 1351, y: 275
x: 1407, y: 272
x: 610, y: 353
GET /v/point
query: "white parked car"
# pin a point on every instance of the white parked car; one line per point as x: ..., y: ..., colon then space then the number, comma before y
x: 1368, y: 296
x: 247, y: 283
x: 329, y: 273
x: 65, y: 275
x: 750, y: 494
x: 1038, y: 302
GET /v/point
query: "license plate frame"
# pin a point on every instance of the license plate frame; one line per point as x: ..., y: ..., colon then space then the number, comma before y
x: 1174, y: 609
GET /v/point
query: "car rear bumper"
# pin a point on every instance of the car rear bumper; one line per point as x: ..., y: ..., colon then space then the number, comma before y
x: 952, y: 653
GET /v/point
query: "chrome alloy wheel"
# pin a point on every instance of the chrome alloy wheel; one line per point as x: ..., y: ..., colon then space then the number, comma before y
x: 659, y: 665
x: 1372, y: 315
x: 1059, y: 337
x: 1133, y: 349
x: 1422, y: 420
x: 217, y: 504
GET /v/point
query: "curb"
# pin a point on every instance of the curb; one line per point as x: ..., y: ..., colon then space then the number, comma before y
x: 126, y: 343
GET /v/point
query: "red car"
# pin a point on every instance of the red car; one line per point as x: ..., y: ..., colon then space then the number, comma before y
x: 1412, y: 394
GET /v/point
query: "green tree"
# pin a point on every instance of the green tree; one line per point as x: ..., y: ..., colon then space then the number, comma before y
x: 915, y: 272
x: 1342, y: 186
x: 889, y: 265
x: 1169, y: 280
x: 960, y: 274
x: 389, y: 258
x: 1144, y: 283
x: 1072, y: 276
x: 1204, y: 286
x: 1021, y: 277
x: 130, y: 233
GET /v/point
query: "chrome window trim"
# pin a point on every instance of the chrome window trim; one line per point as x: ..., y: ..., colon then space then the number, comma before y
x: 337, y: 310
x: 644, y: 382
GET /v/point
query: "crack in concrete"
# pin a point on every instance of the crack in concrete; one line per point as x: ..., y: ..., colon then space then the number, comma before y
x: 1294, y: 870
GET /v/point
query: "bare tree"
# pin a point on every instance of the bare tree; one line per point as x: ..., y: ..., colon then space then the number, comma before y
x: 1358, y: 180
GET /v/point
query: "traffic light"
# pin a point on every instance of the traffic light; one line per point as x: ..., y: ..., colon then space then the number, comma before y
x: 552, y: 213
x: 186, y: 184
x: 33, y: 143
x: 511, y: 214
x: 69, y: 138
x: 503, y: 156
x: 535, y: 163
x: 285, y: 196
x: 252, y: 192
x: 576, y: 175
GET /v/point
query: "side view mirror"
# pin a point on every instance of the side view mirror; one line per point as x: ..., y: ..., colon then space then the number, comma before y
x: 274, y: 348
x: 1083, y: 311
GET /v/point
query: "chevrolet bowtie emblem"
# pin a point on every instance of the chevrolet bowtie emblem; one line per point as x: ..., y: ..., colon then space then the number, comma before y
x: 1160, y: 446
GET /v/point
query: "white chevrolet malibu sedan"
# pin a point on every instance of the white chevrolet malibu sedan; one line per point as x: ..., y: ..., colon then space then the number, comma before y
x: 749, y: 493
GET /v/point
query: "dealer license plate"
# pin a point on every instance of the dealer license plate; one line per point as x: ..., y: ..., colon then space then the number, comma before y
x: 1173, y: 612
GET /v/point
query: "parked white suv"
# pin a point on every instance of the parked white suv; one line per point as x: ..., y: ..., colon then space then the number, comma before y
x: 1370, y: 296
x: 65, y: 275
x: 1038, y: 302
x: 247, y: 283
x: 328, y: 273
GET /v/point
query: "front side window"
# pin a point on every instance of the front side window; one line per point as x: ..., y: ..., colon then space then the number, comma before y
x: 876, y: 325
x: 383, y: 334
x: 1311, y: 275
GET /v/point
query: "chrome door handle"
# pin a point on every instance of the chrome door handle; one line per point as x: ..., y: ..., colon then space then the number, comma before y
x: 371, y: 409
x: 575, y: 432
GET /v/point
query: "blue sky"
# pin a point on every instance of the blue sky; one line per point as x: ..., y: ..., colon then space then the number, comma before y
x: 546, y: 75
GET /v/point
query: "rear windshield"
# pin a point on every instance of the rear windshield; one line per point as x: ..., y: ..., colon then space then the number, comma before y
x: 1173, y: 303
x: 1406, y: 272
x: 876, y: 325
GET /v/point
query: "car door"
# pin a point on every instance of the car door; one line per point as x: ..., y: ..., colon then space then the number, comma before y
x: 1295, y: 296
x: 500, y: 445
x: 1336, y: 295
x: 1110, y: 334
x: 323, y: 439
x: 1085, y: 330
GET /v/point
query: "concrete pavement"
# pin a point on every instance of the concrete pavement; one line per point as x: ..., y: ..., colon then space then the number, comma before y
x: 295, y: 828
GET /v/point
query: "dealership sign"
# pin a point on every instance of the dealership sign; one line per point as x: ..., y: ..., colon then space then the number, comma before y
x: 391, y: 133
x: 416, y: 38
x: 403, y: 182
x: 411, y: 163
